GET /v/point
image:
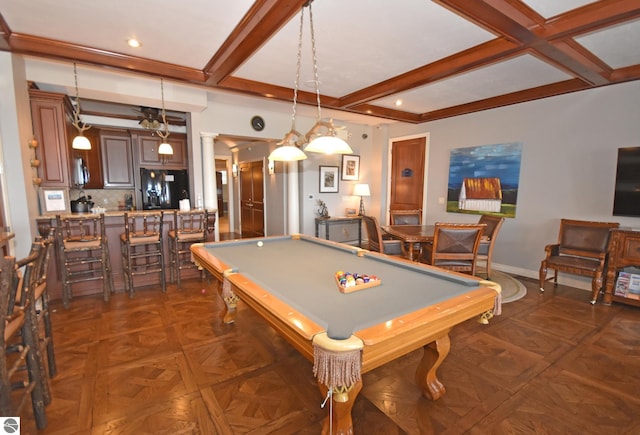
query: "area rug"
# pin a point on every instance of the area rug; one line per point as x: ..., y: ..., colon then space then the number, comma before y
x: 512, y: 289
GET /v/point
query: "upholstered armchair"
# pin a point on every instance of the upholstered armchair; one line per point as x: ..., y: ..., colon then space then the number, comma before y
x: 581, y: 250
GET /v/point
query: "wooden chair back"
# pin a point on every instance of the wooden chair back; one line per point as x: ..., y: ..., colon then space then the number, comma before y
x: 455, y: 246
x: 485, y: 250
x: 376, y: 242
x: 405, y: 217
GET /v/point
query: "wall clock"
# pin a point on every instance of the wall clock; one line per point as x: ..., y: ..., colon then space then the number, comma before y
x: 257, y: 123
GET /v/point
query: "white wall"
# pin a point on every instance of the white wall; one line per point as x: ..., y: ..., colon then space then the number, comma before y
x: 568, y: 167
x: 15, y: 131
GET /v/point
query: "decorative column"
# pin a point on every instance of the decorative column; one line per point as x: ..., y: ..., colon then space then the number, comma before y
x: 209, y: 185
x: 293, y: 199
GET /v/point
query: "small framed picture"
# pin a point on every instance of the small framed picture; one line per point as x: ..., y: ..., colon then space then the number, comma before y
x: 54, y: 201
x: 329, y: 179
x: 350, y: 168
x: 350, y: 212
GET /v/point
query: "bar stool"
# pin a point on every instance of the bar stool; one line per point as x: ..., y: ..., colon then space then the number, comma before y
x: 84, y: 253
x: 19, y: 339
x: 188, y: 227
x: 42, y: 300
x: 141, y: 247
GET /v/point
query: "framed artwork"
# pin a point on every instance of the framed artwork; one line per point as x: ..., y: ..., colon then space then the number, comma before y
x: 350, y: 168
x: 329, y: 179
x: 54, y: 201
x: 485, y: 179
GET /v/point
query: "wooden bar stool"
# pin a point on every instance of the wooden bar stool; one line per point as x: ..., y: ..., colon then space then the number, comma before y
x: 142, y: 248
x: 19, y: 339
x: 84, y: 253
x: 188, y: 227
x: 42, y: 300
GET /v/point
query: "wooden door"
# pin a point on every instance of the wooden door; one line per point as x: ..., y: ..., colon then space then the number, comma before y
x: 407, y: 174
x: 252, y: 199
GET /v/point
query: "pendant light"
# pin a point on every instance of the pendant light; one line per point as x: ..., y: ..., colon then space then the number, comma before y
x: 322, y: 137
x: 165, y: 148
x: 80, y: 142
x: 287, y: 149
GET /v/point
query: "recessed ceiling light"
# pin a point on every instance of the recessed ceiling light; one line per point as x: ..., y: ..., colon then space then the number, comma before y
x: 398, y: 102
x: 133, y: 42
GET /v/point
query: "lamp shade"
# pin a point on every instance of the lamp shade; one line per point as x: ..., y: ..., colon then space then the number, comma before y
x: 328, y: 145
x: 361, y: 190
x: 80, y: 142
x: 165, y: 149
x: 287, y: 153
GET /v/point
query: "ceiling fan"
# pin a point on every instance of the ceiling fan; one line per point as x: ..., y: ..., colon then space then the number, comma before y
x: 151, y: 118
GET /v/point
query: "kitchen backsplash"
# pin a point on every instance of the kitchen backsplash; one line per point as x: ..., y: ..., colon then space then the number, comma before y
x: 111, y: 199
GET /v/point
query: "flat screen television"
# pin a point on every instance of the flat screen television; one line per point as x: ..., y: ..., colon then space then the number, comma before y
x: 626, y: 201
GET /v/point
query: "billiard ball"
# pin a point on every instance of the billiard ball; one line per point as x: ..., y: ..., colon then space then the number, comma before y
x: 260, y: 244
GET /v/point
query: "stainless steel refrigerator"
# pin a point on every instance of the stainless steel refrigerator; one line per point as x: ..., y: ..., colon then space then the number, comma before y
x: 163, y: 189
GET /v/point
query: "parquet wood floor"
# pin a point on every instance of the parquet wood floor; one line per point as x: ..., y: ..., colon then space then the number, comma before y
x: 166, y: 364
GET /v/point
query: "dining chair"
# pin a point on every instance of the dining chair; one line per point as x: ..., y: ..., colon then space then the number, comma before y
x: 407, y: 217
x: 376, y: 242
x: 141, y: 247
x: 487, y: 242
x: 189, y: 227
x: 455, y: 247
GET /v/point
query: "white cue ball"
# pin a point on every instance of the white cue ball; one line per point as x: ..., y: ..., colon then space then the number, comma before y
x: 260, y: 244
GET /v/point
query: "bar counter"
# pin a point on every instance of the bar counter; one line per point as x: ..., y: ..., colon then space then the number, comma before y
x: 114, y: 226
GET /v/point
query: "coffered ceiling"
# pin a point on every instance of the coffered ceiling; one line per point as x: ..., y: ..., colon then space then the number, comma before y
x: 439, y: 58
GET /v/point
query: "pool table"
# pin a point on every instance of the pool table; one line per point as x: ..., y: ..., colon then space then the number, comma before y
x: 290, y: 281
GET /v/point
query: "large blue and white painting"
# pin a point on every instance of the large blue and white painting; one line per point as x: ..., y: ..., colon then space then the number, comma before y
x: 484, y: 179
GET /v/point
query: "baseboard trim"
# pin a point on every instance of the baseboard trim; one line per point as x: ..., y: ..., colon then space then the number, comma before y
x: 582, y: 284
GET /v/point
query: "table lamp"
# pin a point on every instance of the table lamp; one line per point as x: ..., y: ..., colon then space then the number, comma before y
x: 361, y: 190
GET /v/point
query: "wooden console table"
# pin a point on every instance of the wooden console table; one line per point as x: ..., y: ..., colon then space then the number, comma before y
x: 624, y: 251
x: 340, y: 229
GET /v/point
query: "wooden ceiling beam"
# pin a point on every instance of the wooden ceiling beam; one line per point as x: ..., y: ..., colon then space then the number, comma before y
x: 49, y: 48
x: 481, y: 55
x: 537, y: 93
x: 259, y: 24
x: 552, y: 41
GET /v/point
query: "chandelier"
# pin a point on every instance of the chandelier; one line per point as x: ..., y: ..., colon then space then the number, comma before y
x: 165, y: 148
x: 322, y: 136
x: 80, y: 142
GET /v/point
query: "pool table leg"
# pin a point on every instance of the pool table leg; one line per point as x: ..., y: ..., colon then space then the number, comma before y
x: 230, y: 302
x: 339, y: 420
x: 426, y: 377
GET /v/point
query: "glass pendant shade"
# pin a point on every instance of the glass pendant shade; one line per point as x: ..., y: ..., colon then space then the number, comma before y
x: 328, y: 145
x: 287, y: 153
x: 81, y: 142
x: 165, y: 149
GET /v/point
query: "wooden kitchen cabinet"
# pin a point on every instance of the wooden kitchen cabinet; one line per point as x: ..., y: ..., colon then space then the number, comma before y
x: 148, y: 156
x: 51, y: 117
x: 117, y: 159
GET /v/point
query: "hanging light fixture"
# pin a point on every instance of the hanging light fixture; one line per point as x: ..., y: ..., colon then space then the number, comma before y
x: 287, y: 149
x: 322, y: 137
x: 80, y: 142
x: 165, y: 148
